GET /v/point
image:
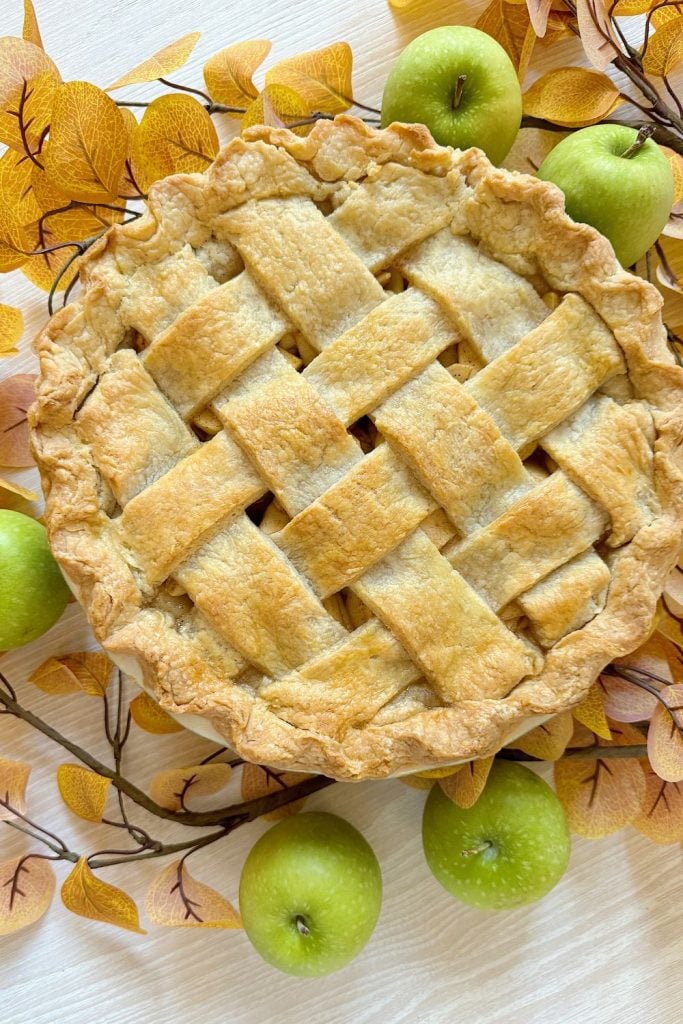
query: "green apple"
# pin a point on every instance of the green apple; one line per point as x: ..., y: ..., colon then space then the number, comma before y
x: 310, y: 894
x: 510, y: 848
x: 623, y: 189
x: 33, y: 593
x: 460, y: 83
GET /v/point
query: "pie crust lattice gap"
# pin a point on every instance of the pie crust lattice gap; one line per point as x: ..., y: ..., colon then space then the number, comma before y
x: 398, y: 605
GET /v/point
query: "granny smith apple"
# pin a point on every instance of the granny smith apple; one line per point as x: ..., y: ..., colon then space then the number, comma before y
x: 623, y: 187
x: 510, y: 848
x: 460, y: 83
x: 310, y: 894
x: 33, y: 593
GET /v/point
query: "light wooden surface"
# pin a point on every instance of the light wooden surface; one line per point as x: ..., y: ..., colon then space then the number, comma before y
x: 605, y: 947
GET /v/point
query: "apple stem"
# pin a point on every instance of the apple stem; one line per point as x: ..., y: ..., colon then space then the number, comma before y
x: 486, y: 845
x: 459, y: 86
x: 644, y: 133
x: 301, y: 925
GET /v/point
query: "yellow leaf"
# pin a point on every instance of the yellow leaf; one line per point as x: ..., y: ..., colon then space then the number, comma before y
x: 13, y: 780
x: 87, y: 672
x: 149, y: 716
x: 85, y: 894
x: 510, y: 25
x: 84, y: 792
x: 560, y: 24
x: 27, y: 885
x: 596, y: 32
x: 43, y: 268
x: 439, y: 773
x: 175, y: 135
x: 591, y: 713
x: 257, y: 781
x: 130, y: 183
x: 228, y: 74
x: 573, y: 97
x: 661, y: 818
x: 627, y: 8
x: 402, y: 5
x: 46, y: 194
x: 88, y: 143
x: 669, y: 625
x: 173, y: 787
x: 321, y: 77
x: 549, y: 740
x: 31, y: 30
x: 162, y: 63
x: 27, y: 78
x: 277, y: 105
x: 9, y: 487
x: 176, y: 900
x: 11, y: 328
x: 665, y: 735
x: 665, y: 14
x: 664, y: 49
x: 416, y: 782
x: 16, y: 186
x: 14, y: 241
x: 465, y: 788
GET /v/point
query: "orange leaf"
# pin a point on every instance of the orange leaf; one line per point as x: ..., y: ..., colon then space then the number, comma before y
x: 31, y: 30
x: 257, y: 781
x: 162, y: 63
x: 13, y: 781
x: 87, y: 671
x: 510, y: 25
x: 85, y: 894
x: 27, y: 885
x: 277, y: 105
x: 465, y: 788
x: 628, y: 8
x: 11, y: 328
x: 549, y: 740
x: 228, y: 74
x: 661, y: 818
x: 88, y: 143
x: 84, y: 792
x: 176, y: 134
x: 538, y: 15
x: 26, y: 72
x: 171, y: 788
x: 16, y: 395
x: 591, y: 713
x: 665, y: 736
x: 573, y: 97
x: 14, y: 241
x: 560, y: 25
x: 597, y: 33
x: 148, y: 715
x: 321, y: 77
x: 665, y: 14
x: 664, y: 49
x: 176, y: 900
x: 9, y: 487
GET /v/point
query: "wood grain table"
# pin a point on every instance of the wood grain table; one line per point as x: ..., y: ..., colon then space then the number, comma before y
x: 606, y: 947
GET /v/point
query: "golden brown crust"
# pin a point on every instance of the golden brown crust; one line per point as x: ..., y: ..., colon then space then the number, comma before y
x: 518, y: 220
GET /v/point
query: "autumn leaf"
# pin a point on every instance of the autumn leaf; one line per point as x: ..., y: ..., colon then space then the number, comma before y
x: 86, y: 895
x: 171, y: 788
x: 28, y: 82
x: 628, y: 8
x: 670, y: 626
x: 9, y: 487
x: 176, y: 134
x: 439, y: 773
x: 510, y: 25
x: 27, y: 885
x: 31, y: 29
x: 13, y: 781
x: 257, y: 781
x: 596, y: 32
x: 129, y: 185
x: 14, y: 242
x: 321, y: 77
x: 465, y: 788
x: 538, y: 15
x: 162, y: 63
x: 11, y: 329
x: 16, y: 186
x: 84, y: 792
x: 663, y: 14
x: 17, y: 393
x: 661, y: 817
x: 228, y: 74
x: 177, y: 900
x: 549, y: 740
x: 665, y: 735
x: 601, y: 795
x: 573, y: 97
x: 624, y: 701
x: 148, y: 715
x: 86, y: 671
x: 664, y: 50
x: 416, y: 781
x: 45, y: 268
x: 560, y: 24
x: 591, y: 713
x: 277, y: 105
x: 88, y: 143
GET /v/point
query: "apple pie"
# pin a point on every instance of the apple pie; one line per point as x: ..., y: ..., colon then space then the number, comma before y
x: 359, y: 448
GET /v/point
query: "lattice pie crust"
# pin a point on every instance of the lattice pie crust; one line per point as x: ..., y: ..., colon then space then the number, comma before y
x: 360, y: 448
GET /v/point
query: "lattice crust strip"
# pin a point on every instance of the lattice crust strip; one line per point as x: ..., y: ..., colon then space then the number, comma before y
x: 472, y: 561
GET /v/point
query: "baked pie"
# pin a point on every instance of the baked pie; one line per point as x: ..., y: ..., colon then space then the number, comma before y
x: 359, y: 448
